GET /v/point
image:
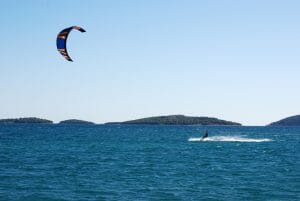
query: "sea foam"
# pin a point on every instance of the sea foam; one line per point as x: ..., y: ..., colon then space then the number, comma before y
x: 229, y: 139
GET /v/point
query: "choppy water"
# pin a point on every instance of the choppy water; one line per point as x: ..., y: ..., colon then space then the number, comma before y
x: 52, y: 162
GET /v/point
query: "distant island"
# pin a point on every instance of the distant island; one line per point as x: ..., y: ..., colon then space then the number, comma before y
x: 75, y: 121
x: 179, y: 120
x: 289, y: 121
x: 28, y: 120
x: 156, y: 120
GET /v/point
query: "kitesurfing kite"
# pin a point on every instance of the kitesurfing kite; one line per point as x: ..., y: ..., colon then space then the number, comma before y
x: 61, y: 41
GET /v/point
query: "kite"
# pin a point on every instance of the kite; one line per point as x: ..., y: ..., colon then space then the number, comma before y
x: 61, y: 41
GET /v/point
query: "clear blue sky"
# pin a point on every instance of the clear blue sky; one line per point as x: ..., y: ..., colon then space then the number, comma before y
x: 235, y: 60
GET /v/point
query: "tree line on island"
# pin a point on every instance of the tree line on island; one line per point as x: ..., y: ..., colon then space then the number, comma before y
x: 157, y: 120
x: 179, y: 120
x: 34, y: 120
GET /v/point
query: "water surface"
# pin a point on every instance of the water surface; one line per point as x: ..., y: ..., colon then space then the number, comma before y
x: 112, y: 162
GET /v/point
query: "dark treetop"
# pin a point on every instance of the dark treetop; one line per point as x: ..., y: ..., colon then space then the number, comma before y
x: 75, y: 121
x: 289, y: 121
x: 28, y: 120
x: 179, y: 120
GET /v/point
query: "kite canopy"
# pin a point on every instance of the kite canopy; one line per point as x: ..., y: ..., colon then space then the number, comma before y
x: 61, y: 41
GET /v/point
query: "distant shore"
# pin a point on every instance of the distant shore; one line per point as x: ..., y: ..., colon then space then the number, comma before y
x: 156, y: 120
x: 179, y: 120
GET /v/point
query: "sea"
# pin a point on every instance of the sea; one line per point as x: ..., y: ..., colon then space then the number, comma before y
x: 148, y: 162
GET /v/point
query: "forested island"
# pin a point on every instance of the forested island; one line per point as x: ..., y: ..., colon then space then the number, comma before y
x: 179, y: 120
x: 156, y: 120
x: 76, y: 121
x: 289, y: 121
x: 28, y: 120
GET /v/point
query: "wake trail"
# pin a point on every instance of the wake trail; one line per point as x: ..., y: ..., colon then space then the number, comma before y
x: 229, y: 139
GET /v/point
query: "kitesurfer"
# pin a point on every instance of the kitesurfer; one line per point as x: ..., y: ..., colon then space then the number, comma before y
x: 205, y: 135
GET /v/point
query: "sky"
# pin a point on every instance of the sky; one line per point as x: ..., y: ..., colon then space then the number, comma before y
x: 230, y: 59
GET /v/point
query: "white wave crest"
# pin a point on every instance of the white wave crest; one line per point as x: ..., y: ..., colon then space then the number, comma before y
x: 229, y: 139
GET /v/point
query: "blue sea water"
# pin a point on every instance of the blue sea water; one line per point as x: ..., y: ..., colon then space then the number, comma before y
x: 113, y: 162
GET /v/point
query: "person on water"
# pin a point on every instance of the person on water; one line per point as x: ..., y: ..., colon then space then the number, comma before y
x: 205, y: 134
